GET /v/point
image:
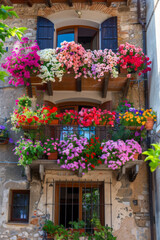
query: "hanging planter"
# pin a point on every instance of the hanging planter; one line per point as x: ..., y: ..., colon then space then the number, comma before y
x: 29, y: 127
x: 54, y: 122
x: 149, y: 123
x: 53, y: 156
x: 134, y: 127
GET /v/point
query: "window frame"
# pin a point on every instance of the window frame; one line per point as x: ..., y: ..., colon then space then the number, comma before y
x: 80, y: 185
x: 75, y: 27
x: 27, y: 192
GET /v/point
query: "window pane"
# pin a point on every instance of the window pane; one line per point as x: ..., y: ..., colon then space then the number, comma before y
x: 88, y: 38
x: 90, y: 206
x: 65, y: 35
x: 20, y: 207
x: 69, y: 205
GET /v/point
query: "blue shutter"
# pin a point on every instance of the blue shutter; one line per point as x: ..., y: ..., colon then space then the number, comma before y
x: 109, y: 34
x: 45, y: 31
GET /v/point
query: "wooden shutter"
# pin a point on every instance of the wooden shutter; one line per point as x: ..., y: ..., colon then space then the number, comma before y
x: 109, y: 34
x: 45, y: 31
x: 106, y: 105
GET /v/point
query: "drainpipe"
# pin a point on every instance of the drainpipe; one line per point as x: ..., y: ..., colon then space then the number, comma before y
x: 150, y: 180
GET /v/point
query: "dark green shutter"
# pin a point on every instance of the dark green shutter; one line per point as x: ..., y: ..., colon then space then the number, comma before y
x: 45, y: 31
x: 109, y: 34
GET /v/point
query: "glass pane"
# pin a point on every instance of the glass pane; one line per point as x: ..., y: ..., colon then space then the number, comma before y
x: 87, y: 132
x: 65, y: 35
x: 69, y: 205
x: 88, y: 38
x: 90, y: 206
x: 20, y: 206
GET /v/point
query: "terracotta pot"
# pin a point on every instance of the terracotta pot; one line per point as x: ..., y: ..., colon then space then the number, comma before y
x: 81, y: 230
x: 149, y: 123
x: 136, y: 156
x: 53, y: 156
x: 49, y: 236
x: 3, y: 142
x: 134, y: 127
x: 54, y: 122
x: 29, y: 127
x: 74, y: 122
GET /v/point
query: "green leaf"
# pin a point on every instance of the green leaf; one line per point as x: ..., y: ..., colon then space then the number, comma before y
x: 3, y: 75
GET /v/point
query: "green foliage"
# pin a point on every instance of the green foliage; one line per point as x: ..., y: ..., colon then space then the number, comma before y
x: 58, y: 232
x: 101, y: 232
x: 24, y: 101
x: 77, y: 225
x: 121, y: 133
x: 7, y: 32
x: 153, y: 156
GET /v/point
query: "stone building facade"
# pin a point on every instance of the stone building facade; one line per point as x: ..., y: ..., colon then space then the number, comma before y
x: 128, y: 211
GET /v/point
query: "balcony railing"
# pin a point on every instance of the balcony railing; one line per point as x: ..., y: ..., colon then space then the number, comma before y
x: 62, y: 131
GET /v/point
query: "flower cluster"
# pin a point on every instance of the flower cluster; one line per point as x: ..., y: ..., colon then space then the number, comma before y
x: 70, y: 55
x: 116, y: 154
x: 93, y: 117
x: 23, y: 62
x: 69, y: 117
x: 50, y: 68
x: 48, y: 114
x: 72, y: 153
x: 99, y: 62
x: 133, y: 59
x: 49, y: 146
x: 135, y: 117
x: 27, y: 150
x: 124, y: 106
x: 26, y: 116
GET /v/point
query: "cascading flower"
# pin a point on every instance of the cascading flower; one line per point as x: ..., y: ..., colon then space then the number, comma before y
x: 116, y: 153
x: 133, y: 59
x: 50, y: 68
x: 23, y: 62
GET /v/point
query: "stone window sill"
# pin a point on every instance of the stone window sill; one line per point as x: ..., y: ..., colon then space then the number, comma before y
x: 17, y: 224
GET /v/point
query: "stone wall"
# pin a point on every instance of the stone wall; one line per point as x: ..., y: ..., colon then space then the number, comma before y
x: 130, y: 200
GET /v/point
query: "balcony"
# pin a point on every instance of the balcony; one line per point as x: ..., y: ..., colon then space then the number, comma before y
x: 69, y: 83
x: 130, y: 169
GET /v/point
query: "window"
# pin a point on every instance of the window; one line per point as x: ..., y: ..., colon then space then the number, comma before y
x: 19, y: 206
x: 79, y: 201
x: 86, y: 36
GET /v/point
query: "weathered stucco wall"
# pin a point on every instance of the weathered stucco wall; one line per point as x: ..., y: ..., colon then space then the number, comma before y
x: 129, y: 221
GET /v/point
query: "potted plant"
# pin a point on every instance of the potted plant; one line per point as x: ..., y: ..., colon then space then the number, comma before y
x: 4, y: 135
x: 132, y: 59
x: 95, y: 117
x: 25, y: 118
x: 153, y: 156
x: 77, y: 226
x: 50, y: 149
x: 23, y: 101
x: 102, y: 232
x: 116, y: 153
x: 69, y: 117
x: 132, y: 119
x: 55, y: 232
x: 49, y: 115
x: 151, y: 118
x: 28, y: 150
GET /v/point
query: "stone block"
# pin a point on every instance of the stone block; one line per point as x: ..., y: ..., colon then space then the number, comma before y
x: 34, y: 221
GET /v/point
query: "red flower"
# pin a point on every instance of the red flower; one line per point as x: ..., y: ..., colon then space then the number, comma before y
x: 99, y: 161
x: 29, y: 120
x: 92, y: 166
x: 101, y: 148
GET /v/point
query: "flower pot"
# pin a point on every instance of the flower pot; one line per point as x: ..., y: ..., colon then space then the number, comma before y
x: 4, y: 141
x: 74, y: 123
x: 149, y: 123
x: 135, y: 156
x: 53, y: 156
x: 54, y: 122
x: 29, y: 127
x: 81, y: 230
x: 133, y: 127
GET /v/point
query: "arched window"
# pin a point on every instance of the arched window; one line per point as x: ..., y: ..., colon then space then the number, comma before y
x: 85, y: 35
